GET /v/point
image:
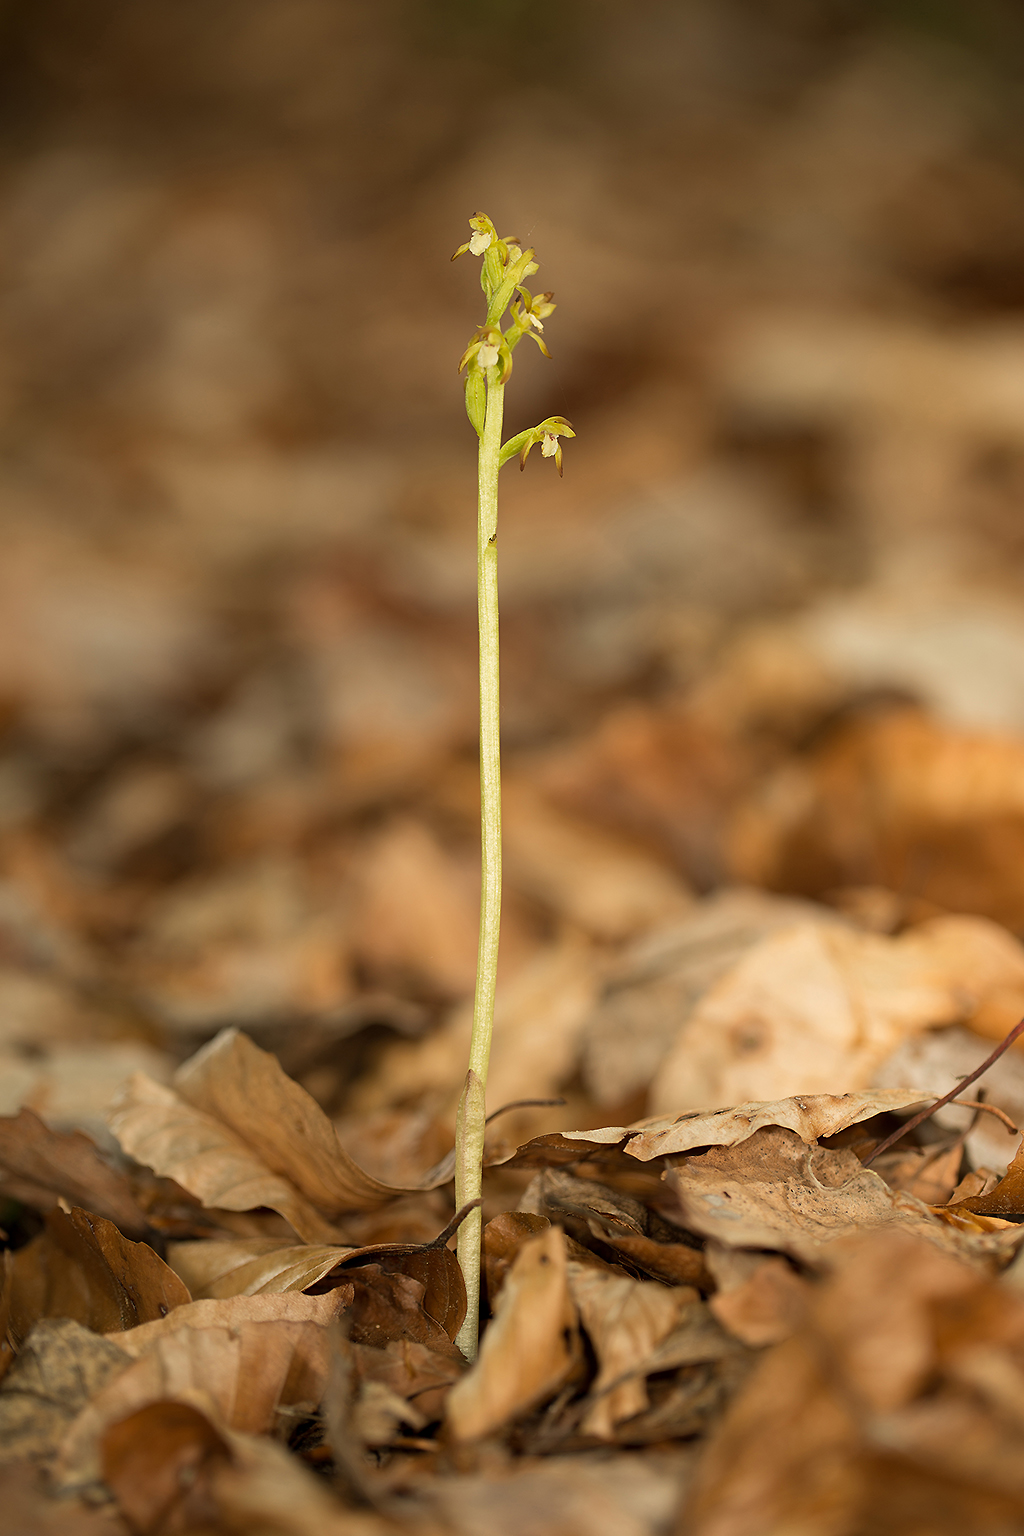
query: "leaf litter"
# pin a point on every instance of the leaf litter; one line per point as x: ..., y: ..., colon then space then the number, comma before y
x: 764, y: 823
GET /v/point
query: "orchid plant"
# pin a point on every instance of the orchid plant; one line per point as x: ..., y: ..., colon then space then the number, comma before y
x: 487, y: 362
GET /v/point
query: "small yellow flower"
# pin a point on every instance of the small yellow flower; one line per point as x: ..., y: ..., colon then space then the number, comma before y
x: 487, y: 353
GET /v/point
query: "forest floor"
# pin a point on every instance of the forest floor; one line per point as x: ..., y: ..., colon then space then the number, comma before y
x: 763, y: 717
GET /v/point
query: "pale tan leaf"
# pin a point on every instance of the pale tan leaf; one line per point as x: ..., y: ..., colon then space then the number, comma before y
x: 246, y: 1089
x: 60, y: 1366
x: 252, y: 1266
x: 160, y: 1130
x: 238, y: 1360
x: 625, y: 1320
x: 809, y: 1115
x: 820, y: 1004
x: 525, y: 1354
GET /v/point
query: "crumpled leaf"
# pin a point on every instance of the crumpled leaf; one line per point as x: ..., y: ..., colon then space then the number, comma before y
x: 528, y: 1349
x: 774, y: 1192
x: 157, y: 1464
x: 242, y: 1358
x: 625, y: 1320
x: 888, y: 1389
x: 1005, y: 1200
x: 238, y: 1133
x: 61, y: 1365
x: 81, y: 1267
x: 809, y: 1115
x: 262, y: 1266
x: 820, y: 1004
x: 39, y: 1167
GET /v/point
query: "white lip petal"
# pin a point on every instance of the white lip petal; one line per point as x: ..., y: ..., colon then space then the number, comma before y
x: 479, y: 242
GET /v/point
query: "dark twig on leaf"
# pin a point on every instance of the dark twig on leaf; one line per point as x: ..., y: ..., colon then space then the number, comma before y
x: 965, y: 1082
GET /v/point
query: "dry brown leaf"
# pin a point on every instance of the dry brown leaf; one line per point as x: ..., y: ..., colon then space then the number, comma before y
x: 820, y: 1004
x: 157, y: 1463
x: 238, y: 1133
x: 39, y: 1167
x: 661, y: 976
x: 1005, y: 1200
x: 766, y: 1306
x: 936, y: 1061
x: 164, y: 1133
x: 774, y: 1192
x: 538, y: 1023
x: 900, y: 801
x: 61, y: 1365
x: 30, y: 1508
x: 250, y: 1266
x: 81, y: 1267
x: 605, y: 884
x: 527, y: 1351
x: 240, y: 1360
x: 810, y: 1115
x: 887, y: 1384
x: 625, y: 1320
x: 412, y: 1371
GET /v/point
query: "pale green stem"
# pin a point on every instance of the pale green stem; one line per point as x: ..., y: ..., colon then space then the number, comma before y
x: 470, y: 1126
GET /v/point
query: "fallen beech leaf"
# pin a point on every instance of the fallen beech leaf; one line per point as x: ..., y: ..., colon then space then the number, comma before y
x: 887, y: 1386
x: 157, y: 1462
x: 61, y: 1365
x: 901, y: 801
x: 619, y: 1495
x: 661, y: 977
x: 387, y: 1306
x: 774, y: 1192
x: 81, y: 1267
x: 604, y: 883
x: 527, y: 1351
x: 160, y: 1130
x: 928, y: 1175
x: 1005, y: 1200
x: 625, y: 1319
x: 238, y: 1133
x: 412, y: 1371
x: 503, y: 1237
x: 251, y: 1266
x: 809, y: 1115
x: 766, y: 1307
x: 819, y: 1003
x: 243, y: 1359
x: 39, y: 1167
x: 265, y: 1490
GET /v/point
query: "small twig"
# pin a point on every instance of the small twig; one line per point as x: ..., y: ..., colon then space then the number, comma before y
x: 454, y: 1225
x: 965, y: 1082
x: 524, y: 1104
x: 990, y: 1109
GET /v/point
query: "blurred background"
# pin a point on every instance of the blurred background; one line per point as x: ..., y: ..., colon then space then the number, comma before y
x: 767, y: 632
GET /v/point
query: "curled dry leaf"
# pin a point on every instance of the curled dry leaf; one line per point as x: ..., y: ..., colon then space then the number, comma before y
x: 39, y: 1167
x: 809, y: 1115
x: 775, y: 1192
x: 239, y: 1360
x: 625, y: 1320
x: 1005, y: 1200
x: 251, y: 1266
x: 238, y: 1133
x: 81, y: 1267
x: 61, y: 1365
x: 529, y: 1348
